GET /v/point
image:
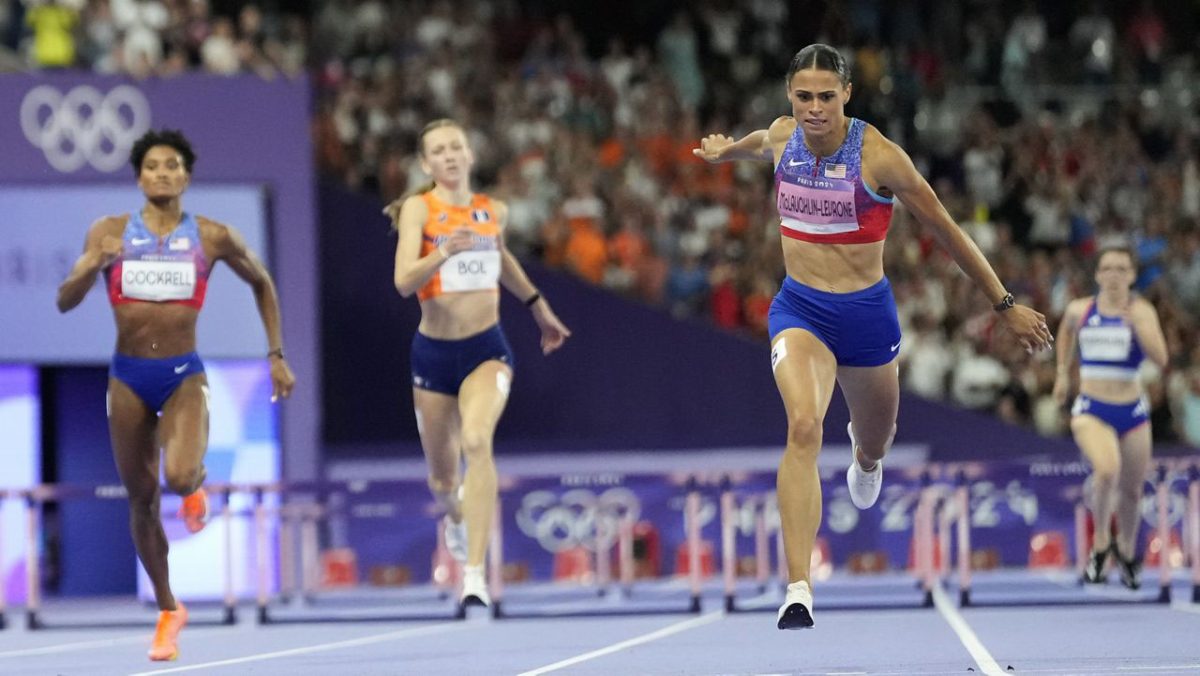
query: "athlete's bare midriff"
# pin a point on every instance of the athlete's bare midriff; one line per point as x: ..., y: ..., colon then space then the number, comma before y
x: 453, y: 316
x: 1111, y: 391
x: 835, y: 268
x: 155, y: 330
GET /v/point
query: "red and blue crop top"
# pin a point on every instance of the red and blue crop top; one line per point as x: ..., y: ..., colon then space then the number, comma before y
x: 168, y: 269
x: 824, y: 199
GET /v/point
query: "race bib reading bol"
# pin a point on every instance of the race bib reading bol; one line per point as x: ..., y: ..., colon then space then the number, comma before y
x: 158, y: 280
x: 471, y: 271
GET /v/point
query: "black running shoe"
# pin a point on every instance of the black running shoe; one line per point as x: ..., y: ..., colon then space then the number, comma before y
x: 1130, y: 570
x: 1093, y: 572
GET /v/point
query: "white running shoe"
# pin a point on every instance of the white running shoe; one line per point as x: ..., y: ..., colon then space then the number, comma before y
x: 864, y: 485
x: 796, y: 611
x: 456, y: 538
x: 474, y: 587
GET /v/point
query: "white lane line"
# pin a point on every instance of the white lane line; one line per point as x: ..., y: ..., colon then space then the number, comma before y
x: 70, y: 647
x: 320, y: 647
x: 638, y: 640
x: 983, y: 658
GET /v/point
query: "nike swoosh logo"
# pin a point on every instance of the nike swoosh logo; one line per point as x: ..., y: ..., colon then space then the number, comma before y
x: 138, y: 242
x: 181, y: 368
x: 794, y: 163
x: 895, y: 347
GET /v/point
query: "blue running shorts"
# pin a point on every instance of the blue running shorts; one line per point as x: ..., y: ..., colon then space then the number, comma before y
x: 1123, y: 418
x: 155, y: 380
x: 442, y: 365
x: 860, y: 328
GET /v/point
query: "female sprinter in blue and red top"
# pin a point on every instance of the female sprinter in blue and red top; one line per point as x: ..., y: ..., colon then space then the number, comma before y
x: 834, y: 319
x: 1115, y: 331
x: 157, y: 261
x: 451, y: 253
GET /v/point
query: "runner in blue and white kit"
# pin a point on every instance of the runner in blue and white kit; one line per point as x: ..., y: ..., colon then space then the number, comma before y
x: 1115, y: 331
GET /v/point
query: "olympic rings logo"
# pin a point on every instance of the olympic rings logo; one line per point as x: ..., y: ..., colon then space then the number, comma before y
x: 84, y: 126
x: 576, y: 518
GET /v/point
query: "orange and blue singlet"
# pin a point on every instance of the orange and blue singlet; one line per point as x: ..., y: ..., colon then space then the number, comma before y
x: 477, y: 269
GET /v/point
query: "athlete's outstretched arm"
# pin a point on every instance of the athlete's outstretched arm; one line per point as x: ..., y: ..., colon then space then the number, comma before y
x: 229, y: 246
x: 101, y: 247
x: 893, y: 170
x: 513, y: 278
x: 412, y: 270
x: 763, y: 145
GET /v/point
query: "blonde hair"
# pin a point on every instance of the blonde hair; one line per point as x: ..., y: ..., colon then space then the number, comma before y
x: 436, y: 124
x: 393, y: 209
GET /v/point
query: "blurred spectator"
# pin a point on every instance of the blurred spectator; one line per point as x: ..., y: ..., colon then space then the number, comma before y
x: 1095, y: 42
x: 687, y: 286
x: 978, y: 379
x: 53, y: 23
x: 678, y: 52
x: 218, y: 52
x: 925, y: 358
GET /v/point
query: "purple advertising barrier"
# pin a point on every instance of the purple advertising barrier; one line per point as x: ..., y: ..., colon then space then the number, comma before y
x: 394, y: 523
x: 77, y: 129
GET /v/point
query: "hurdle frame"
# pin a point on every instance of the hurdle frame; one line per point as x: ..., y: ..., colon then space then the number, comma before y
x: 307, y: 515
x: 691, y: 515
x: 38, y: 495
x: 1162, y: 493
x: 923, y: 569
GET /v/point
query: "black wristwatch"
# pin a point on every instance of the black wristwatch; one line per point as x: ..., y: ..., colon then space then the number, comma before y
x: 1005, y: 303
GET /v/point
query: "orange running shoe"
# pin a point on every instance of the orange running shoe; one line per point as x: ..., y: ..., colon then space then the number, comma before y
x: 194, y: 511
x: 166, y: 635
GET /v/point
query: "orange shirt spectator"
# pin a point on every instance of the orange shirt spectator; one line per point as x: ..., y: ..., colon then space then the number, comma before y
x: 629, y: 245
x: 555, y: 234
x: 587, y: 252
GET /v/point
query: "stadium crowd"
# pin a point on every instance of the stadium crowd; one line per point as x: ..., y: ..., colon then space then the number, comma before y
x: 1048, y: 129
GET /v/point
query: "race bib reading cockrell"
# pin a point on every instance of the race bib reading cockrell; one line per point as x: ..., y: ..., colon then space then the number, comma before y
x: 158, y: 280
x: 471, y: 271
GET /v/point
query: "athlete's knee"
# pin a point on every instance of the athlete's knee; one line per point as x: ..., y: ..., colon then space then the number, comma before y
x: 804, y: 433
x: 145, y: 503
x: 439, y: 485
x: 183, y: 480
x: 476, y: 444
x: 1105, y: 473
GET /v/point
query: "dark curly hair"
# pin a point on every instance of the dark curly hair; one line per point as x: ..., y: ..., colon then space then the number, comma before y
x: 163, y: 137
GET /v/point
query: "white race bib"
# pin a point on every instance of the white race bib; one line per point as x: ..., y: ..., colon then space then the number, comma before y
x: 1105, y: 343
x: 158, y: 280
x: 471, y: 271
